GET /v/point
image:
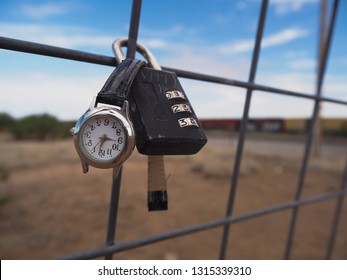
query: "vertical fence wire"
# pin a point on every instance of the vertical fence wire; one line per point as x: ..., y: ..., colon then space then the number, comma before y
x: 243, y: 128
x: 326, y: 42
x: 116, y: 181
x: 134, y: 28
x: 113, y: 213
x: 322, y: 35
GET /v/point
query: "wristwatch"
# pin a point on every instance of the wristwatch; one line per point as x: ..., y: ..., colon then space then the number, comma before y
x: 104, y: 136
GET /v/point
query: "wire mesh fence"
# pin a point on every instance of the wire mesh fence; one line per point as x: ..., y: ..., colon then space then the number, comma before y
x: 112, y: 247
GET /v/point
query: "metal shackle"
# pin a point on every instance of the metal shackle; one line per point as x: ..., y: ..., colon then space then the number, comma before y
x: 146, y: 53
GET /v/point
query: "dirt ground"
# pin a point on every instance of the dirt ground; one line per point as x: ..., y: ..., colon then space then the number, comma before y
x: 49, y: 209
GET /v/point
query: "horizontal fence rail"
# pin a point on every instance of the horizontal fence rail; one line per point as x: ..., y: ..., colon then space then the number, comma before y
x: 252, y: 88
x: 57, y: 52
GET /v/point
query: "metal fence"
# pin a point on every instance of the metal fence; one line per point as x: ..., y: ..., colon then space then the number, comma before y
x: 111, y: 247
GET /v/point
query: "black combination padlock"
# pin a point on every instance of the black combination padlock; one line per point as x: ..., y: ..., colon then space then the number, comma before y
x: 164, y: 120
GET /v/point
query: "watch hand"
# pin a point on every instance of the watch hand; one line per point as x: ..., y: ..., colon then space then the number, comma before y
x: 104, y: 138
x: 101, y: 141
x: 96, y: 145
x: 108, y: 138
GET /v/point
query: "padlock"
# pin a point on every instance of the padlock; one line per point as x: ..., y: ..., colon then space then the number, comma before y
x: 164, y: 120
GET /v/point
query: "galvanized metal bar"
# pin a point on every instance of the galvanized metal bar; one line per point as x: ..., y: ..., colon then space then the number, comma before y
x: 137, y: 243
x: 57, y: 52
x: 116, y: 181
x: 243, y: 128
x: 337, y: 215
x: 324, y: 56
x: 113, y: 212
x: 47, y: 50
x: 326, y: 47
x: 134, y: 28
x: 322, y: 35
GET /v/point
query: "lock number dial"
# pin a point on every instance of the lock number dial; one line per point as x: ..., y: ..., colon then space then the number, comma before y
x: 103, y: 138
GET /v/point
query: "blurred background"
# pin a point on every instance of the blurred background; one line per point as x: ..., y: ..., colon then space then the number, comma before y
x: 48, y: 208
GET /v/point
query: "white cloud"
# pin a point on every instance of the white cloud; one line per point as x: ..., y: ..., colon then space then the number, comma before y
x: 286, y: 6
x: 177, y: 30
x: 75, y: 36
x: 333, y: 110
x: 297, y: 54
x: 303, y: 64
x: 286, y: 106
x: 335, y: 86
x: 64, y: 97
x: 279, y: 38
x: 42, y: 11
x: 283, y: 37
x: 300, y: 60
x: 155, y: 43
x: 218, y: 101
x: 210, y: 99
x: 213, y: 100
x: 208, y: 64
x: 294, y: 81
x: 240, y: 46
x: 279, y: 106
x: 58, y: 35
x: 68, y: 97
x: 276, y: 105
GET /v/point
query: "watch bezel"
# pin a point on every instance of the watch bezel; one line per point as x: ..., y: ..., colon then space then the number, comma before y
x: 122, y: 115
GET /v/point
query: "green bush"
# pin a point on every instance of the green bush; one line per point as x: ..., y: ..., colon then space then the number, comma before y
x: 36, y: 127
x: 343, y: 132
x: 4, y: 172
x: 63, y: 130
x: 6, y: 122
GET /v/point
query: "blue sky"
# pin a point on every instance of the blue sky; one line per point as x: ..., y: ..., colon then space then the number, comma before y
x: 209, y: 36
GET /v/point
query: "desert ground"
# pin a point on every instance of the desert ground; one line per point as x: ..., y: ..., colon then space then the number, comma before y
x: 49, y: 209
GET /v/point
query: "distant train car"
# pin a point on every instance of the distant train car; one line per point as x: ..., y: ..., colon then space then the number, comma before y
x: 269, y: 125
x: 265, y: 125
x: 328, y: 126
x: 221, y: 124
x: 334, y: 126
x: 295, y: 125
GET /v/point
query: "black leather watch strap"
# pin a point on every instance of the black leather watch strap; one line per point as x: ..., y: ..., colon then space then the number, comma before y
x: 118, y: 85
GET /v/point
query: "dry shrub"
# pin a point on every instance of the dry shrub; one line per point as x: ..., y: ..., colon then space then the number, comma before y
x: 218, y: 163
x: 4, y: 172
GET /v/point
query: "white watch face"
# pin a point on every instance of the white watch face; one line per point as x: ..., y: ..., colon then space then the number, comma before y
x: 102, y: 138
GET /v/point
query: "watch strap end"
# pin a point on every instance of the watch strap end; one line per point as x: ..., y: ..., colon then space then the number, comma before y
x: 157, y: 201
